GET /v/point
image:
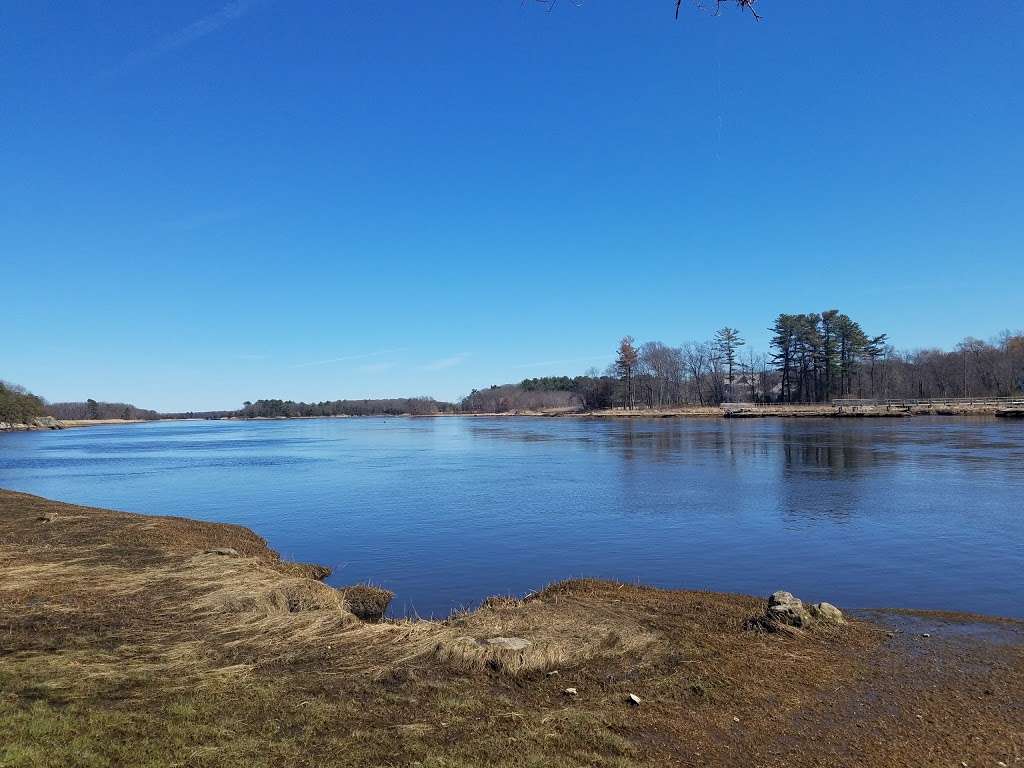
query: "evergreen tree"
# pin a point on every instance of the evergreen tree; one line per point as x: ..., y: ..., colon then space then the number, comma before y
x: 625, y: 367
x: 727, y: 342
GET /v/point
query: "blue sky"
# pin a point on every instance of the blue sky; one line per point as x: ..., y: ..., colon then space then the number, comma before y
x: 205, y: 203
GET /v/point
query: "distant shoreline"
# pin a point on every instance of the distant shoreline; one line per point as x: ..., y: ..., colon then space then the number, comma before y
x: 48, y: 423
x: 74, y: 423
x: 735, y: 411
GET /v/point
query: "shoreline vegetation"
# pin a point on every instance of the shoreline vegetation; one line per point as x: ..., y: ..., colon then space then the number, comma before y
x: 132, y: 639
x: 1011, y: 408
x: 821, y: 364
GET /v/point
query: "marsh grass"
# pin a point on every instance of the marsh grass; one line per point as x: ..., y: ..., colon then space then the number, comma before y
x: 124, y: 642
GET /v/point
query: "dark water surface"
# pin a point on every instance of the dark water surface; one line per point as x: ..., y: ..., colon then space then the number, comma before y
x: 922, y: 513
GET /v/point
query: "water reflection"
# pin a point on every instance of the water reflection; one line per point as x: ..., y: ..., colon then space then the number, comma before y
x: 840, y: 445
x: 913, y: 512
x: 826, y: 444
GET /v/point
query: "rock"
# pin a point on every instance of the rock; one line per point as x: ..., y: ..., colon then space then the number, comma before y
x: 508, y: 643
x: 784, y: 608
x: 633, y: 699
x: 48, y: 517
x: 570, y: 691
x: 367, y: 602
x: 782, y: 598
x: 552, y: 673
x: 827, y: 613
x: 224, y: 551
x: 40, y: 422
x: 925, y: 634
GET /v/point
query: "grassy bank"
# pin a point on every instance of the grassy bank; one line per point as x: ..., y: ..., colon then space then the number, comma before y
x: 126, y: 640
x: 71, y: 423
x: 819, y: 411
x: 747, y: 410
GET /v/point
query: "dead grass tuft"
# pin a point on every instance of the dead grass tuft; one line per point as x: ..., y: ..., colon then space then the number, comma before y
x: 366, y: 601
x: 561, y: 633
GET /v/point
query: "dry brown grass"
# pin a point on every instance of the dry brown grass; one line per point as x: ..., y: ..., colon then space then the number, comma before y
x: 124, y: 641
x: 562, y: 633
x: 366, y: 601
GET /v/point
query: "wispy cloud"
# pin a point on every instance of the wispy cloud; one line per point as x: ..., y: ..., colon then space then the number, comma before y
x: 229, y: 12
x: 346, y: 358
x: 445, y: 362
x: 568, y: 361
x: 376, y: 367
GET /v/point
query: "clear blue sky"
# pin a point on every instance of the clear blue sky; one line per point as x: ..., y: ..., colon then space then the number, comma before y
x: 207, y: 203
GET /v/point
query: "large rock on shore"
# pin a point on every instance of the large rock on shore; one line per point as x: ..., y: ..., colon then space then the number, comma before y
x: 827, y: 613
x: 784, y: 607
x: 786, y: 611
x: 40, y: 422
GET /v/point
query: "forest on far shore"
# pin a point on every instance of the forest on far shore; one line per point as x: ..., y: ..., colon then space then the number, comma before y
x: 812, y: 358
x: 18, y: 405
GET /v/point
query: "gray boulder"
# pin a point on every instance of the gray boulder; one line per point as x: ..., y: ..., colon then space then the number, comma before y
x: 786, y: 612
x: 784, y: 608
x: 827, y: 613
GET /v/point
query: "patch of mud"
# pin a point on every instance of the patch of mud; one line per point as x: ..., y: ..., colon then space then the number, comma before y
x: 949, y: 627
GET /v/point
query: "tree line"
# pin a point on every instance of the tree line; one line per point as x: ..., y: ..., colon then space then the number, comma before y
x: 511, y: 397
x: 18, y: 405
x: 813, y: 357
x: 93, y: 410
x: 414, y: 406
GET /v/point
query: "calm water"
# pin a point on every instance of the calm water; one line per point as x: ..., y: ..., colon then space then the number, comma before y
x: 924, y: 512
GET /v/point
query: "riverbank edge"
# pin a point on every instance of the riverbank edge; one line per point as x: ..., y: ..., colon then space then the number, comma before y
x: 738, y: 411
x: 48, y: 423
x: 53, y: 509
x: 217, y: 644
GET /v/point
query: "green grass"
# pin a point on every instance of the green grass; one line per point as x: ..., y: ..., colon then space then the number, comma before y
x: 256, y: 722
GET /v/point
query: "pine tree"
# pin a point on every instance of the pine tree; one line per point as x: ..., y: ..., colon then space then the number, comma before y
x: 625, y: 365
x: 727, y: 342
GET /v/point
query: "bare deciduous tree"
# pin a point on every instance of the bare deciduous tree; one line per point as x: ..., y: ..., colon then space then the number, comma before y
x: 743, y: 5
